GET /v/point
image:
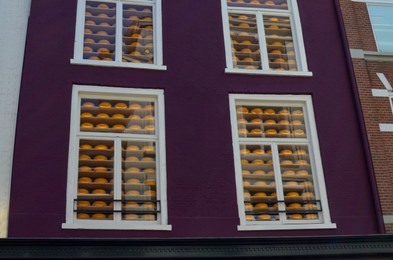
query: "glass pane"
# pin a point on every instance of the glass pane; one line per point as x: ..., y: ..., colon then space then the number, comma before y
x: 382, y: 23
x: 117, y: 116
x: 95, y: 180
x: 138, y: 34
x: 298, y: 183
x: 259, y: 187
x: 245, y: 44
x: 99, y: 31
x: 271, y: 4
x: 279, y: 43
x: 270, y: 122
x: 139, y: 189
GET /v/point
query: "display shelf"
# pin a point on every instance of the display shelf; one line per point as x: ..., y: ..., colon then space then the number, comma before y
x: 248, y: 37
x: 251, y: 156
x: 255, y: 167
x: 110, y: 111
x: 250, y: 21
x: 138, y: 186
x: 238, y: 29
x: 96, y: 11
x: 282, y: 56
x: 94, y: 197
x: 111, y: 30
x: 241, y: 55
x: 94, y: 163
x: 272, y: 135
x: 249, y: 5
x: 277, y: 117
x: 93, y: 185
x: 252, y: 63
x: 93, y: 152
x: 93, y: 174
x: 300, y: 199
x: 139, y: 210
x: 139, y: 198
x: 273, y: 126
x: 110, y: 19
x: 268, y: 177
x: 282, y: 48
x: 257, y: 188
x: 240, y: 45
x: 118, y: 130
x: 94, y: 209
x: 140, y: 176
x: 269, y: 199
x: 296, y: 178
x: 97, y: 46
x: 97, y: 37
x: 281, y: 32
x: 280, y: 23
x: 139, y: 164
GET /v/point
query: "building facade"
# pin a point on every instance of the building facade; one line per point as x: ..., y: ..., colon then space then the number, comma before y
x: 368, y: 25
x: 190, y: 119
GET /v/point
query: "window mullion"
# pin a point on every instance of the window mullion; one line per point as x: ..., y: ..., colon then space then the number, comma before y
x: 278, y: 180
x: 117, y: 179
x: 119, y: 31
x: 262, y: 42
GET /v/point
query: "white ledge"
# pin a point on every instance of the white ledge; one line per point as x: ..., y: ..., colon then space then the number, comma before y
x: 118, y: 64
x: 381, y: 93
x: 386, y: 127
x: 286, y: 227
x: 271, y: 73
x: 118, y: 226
x: 378, y: 56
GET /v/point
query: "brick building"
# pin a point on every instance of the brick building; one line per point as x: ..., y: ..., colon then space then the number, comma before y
x: 369, y: 29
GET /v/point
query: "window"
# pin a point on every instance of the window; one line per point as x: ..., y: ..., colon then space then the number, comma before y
x: 279, y: 176
x: 382, y: 23
x: 263, y: 37
x: 116, y: 171
x: 121, y: 33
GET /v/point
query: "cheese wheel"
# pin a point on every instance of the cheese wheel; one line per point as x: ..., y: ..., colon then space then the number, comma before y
x: 133, y: 170
x: 133, y: 181
x: 135, y: 106
x: 259, y: 172
x: 132, y: 204
x: 100, y: 180
x: 98, y: 216
x: 83, y: 203
x: 85, y: 168
x: 98, y: 191
x: 99, y: 204
x: 242, y: 110
x: 84, y: 157
x: 86, y: 114
x: 132, y: 148
x: 150, y: 193
x: 100, y: 157
x: 250, y: 218
x: 82, y: 216
x: 258, y: 151
x: 286, y: 151
x: 86, y: 146
x: 261, y: 206
x: 149, y: 171
x: 264, y: 217
x: 132, y: 193
x: 83, y: 191
x: 102, y: 126
x: 85, y: 180
x: 260, y: 194
x: 87, y: 125
x: 100, y: 169
x: 149, y: 217
x: 130, y: 216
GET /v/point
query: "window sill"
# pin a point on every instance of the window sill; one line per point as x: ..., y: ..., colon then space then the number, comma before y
x: 286, y: 227
x: 99, y: 224
x: 118, y: 64
x: 378, y: 56
x: 271, y: 73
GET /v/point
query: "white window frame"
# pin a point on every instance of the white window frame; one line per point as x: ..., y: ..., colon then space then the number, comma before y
x: 157, y: 35
x: 311, y: 141
x: 376, y: 3
x: 292, y: 13
x: 112, y: 93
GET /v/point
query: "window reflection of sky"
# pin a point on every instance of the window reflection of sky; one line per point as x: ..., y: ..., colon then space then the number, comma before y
x: 382, y: 22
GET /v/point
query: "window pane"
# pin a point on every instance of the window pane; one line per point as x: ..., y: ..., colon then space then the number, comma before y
x: 138, y: 34
x: 260, y: 197
x: 271, y: 4
x: 139, y: 188
x: 382, y: 22
x: 95, y: 180
x: 245, y: 43
x: 298, y: 184
x: 270, y: 122
x: 279, y: 43
x: 99, y: 31
x: 114, y: 116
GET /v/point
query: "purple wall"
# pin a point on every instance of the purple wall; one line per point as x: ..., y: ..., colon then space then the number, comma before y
x: 201, y: 180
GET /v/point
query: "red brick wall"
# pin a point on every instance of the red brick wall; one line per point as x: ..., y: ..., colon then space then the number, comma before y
x: 376, y: 110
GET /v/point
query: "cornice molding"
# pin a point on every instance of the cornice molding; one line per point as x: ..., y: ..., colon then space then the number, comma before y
x: 375, y: 246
